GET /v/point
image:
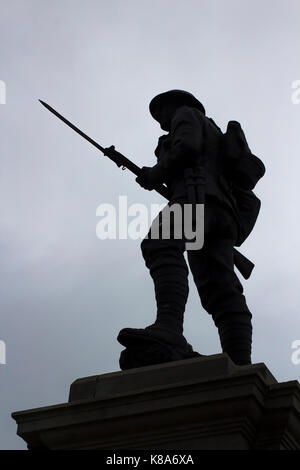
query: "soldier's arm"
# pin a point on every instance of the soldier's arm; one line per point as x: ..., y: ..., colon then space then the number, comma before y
x: 186, y: 136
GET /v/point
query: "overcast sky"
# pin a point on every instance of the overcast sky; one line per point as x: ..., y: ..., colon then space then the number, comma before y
x: 65, y: 294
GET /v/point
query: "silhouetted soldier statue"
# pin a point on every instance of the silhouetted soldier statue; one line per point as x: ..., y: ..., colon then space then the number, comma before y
x: 230, y: 211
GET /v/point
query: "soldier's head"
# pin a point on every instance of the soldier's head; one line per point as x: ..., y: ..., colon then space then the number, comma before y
x: 163, y: 106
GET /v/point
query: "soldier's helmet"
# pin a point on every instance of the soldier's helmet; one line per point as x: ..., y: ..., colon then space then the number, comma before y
x: 179, y: 97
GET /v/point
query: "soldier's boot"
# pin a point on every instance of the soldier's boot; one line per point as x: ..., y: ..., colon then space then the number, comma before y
x: 152, y: 345
x: 235, y: 331
x: 162, y: 341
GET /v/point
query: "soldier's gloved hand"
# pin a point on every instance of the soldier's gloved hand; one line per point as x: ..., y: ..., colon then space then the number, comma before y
x: 150, y: 177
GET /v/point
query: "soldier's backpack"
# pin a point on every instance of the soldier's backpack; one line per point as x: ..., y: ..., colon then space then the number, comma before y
x: 248, y: 205
x: 244, y: 170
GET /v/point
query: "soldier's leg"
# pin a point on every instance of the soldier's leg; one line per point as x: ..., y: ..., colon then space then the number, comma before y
x: 162, y: 341
x: 168, y: 269
x: 220, y: 290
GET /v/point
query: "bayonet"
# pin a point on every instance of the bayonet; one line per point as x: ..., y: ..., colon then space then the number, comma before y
x: 110, y: 152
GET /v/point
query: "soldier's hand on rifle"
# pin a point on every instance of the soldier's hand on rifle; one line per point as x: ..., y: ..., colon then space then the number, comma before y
x: 150, y: 177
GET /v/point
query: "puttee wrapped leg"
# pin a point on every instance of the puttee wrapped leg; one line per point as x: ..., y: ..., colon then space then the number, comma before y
x: 168, y: 269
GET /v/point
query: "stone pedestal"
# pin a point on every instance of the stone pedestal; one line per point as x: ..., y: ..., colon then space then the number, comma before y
x: 197, y: 404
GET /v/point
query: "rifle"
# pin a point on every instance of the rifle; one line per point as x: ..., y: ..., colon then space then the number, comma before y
x: 244, y: 265
x: 110, y: 152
